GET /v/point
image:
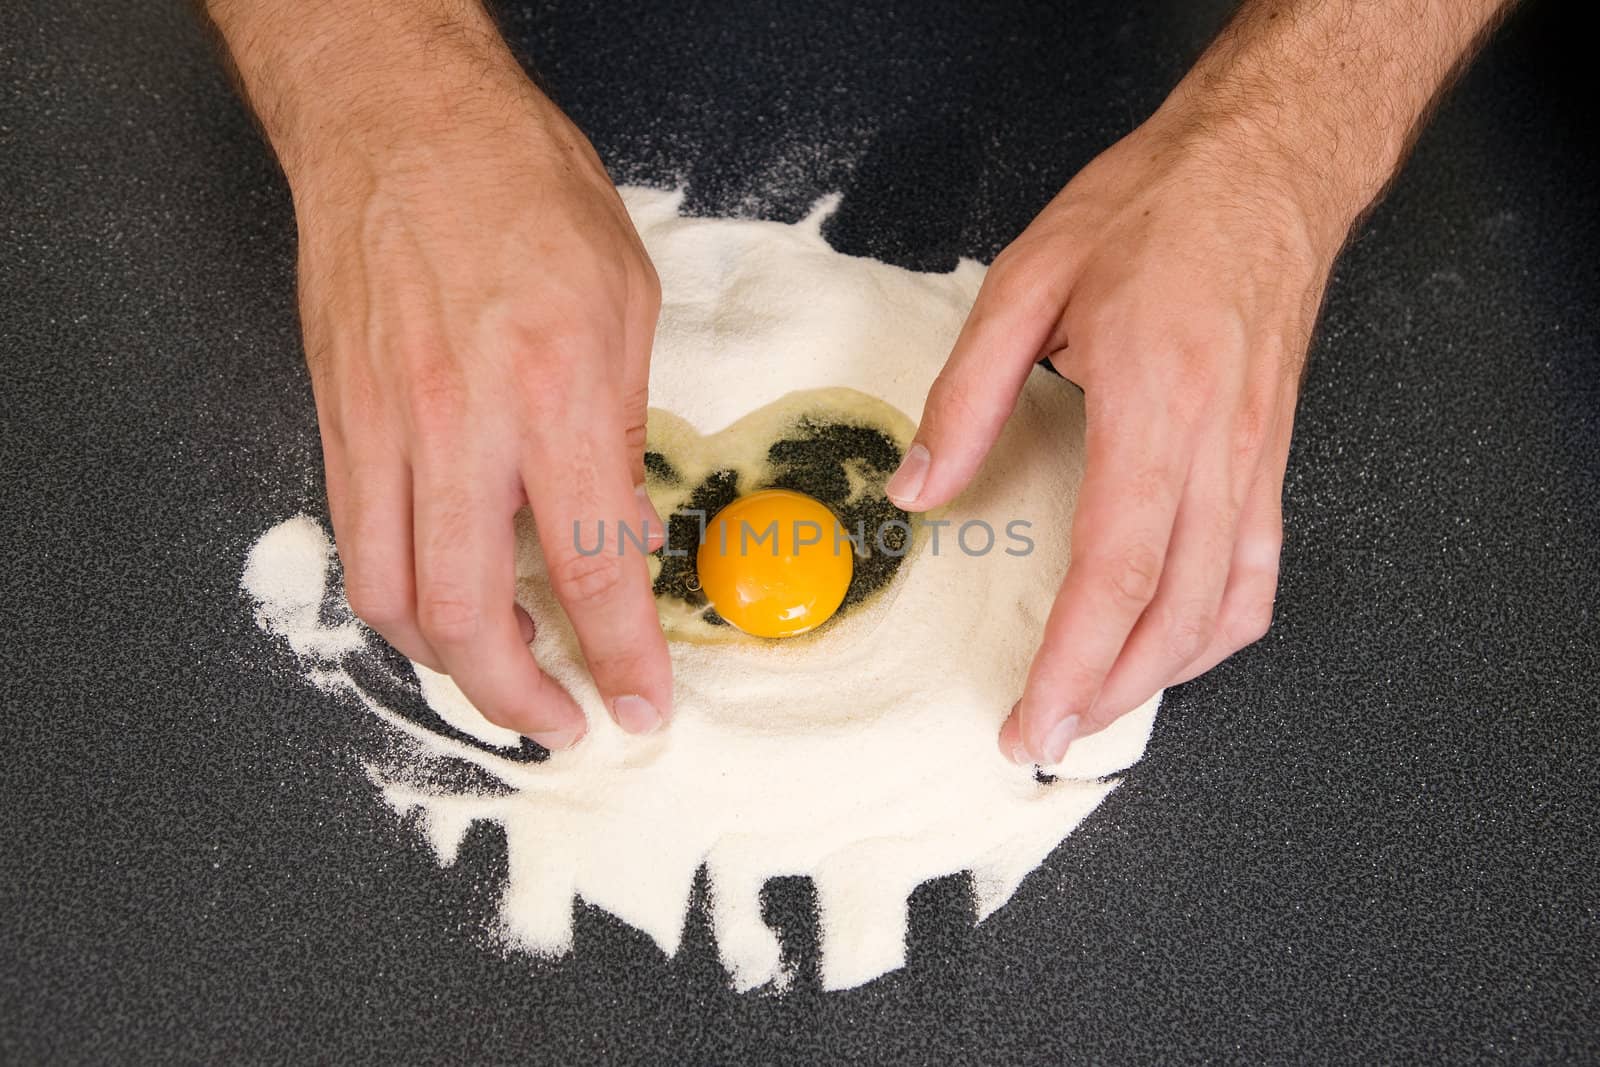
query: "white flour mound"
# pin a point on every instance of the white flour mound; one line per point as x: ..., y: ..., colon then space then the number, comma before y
x: 865, y: 759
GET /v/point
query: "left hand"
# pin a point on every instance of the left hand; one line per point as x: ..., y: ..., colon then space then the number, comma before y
x: 1176, y: 279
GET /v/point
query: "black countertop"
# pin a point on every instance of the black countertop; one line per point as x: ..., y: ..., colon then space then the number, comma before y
x: 1371, y: 836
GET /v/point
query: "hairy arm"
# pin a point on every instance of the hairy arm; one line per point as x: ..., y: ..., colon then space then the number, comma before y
x: 326, y: 77
x: 1334, y: 91
x: 478, y: 315
x: 1177, y: 279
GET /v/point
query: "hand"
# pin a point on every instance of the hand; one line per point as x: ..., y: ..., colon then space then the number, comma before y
x: 478, y: 315
x: 1176, y: 279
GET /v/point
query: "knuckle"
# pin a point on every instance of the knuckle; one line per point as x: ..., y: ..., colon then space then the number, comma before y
x: 1023, y: 280
x: 550, y: 412
x: 547, y: 365
x: 1009, y: 267
x: 548, y: 396
x: 580, y: 579
x: 1189, y: 632
x: 1133, y: 578
x: 1251, y: 427
x: 647, y: 284
x: 538, y: 341
x: 635, y: 436
x: 446, y: 616
x: 1249, y: 623
x: 1194, y: 393
x: 435, y: 401
x: 1262, y: 549
x: 636, y: 409
x: 623, y: 663
x: 379, y: 604
x: 525, y: 334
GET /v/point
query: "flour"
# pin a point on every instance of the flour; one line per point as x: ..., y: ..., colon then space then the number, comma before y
x: 865, y: 758
x: 287, y: 574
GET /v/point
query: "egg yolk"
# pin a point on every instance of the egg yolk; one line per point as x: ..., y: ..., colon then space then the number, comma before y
x: 775, y: 563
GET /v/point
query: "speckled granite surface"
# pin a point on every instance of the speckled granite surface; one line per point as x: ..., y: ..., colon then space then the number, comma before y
x: 1370, y: 837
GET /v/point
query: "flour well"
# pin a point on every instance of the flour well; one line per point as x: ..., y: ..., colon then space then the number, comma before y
x: 864, y: 759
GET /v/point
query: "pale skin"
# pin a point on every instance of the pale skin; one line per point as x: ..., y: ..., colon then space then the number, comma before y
x: 478, y: 315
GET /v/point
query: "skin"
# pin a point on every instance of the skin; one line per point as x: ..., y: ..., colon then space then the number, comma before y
x: 1177, y: 279
x: 478, y: 315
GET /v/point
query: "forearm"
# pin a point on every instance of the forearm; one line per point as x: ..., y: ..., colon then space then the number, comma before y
x: 1331, y: 92
x: 328, y: 77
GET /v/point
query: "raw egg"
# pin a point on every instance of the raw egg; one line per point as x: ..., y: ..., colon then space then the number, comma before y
x: 775, y: 563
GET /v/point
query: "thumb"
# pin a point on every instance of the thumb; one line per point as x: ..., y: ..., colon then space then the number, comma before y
x: 1015, y: 312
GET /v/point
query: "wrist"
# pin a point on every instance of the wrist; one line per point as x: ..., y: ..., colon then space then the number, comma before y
x: 340, y: 91
x: 388, y: 120
x: 1278, y: 156
x: 1326, y: 98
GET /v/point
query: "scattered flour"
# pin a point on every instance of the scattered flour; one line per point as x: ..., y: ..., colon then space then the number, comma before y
x: 865, y: 759
x: 287, y: 574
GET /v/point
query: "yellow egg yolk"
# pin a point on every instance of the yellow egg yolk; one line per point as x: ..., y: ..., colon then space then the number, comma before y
x: 775, y: 563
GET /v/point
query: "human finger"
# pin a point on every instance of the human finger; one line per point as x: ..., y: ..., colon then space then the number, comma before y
x: 370, y: 505
x: 1246, y: 611
x: 579, y: 484
x: 1134, y: 474
x: 466, y: 577
x: 1181, y: 619
x: 1016, y: 310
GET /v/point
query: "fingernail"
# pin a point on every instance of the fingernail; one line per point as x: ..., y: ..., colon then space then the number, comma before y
x: 524, y: 625
x: 556, y: 740
x: 1060, y: 739
x: 906, y: 485
x: 651, y: 526
x: 636, y: 715
x: 1018, y: 751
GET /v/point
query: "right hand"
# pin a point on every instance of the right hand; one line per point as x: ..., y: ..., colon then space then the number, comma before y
x: 478, y: 314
